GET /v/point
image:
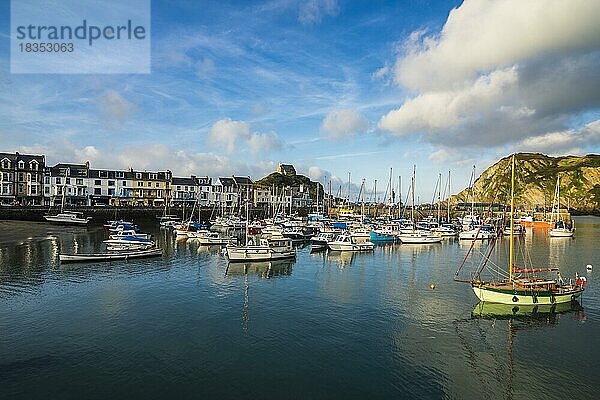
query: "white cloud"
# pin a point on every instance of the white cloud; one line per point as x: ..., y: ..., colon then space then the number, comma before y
x: 260, y: 143
x: 114, y: 106
x: 231, y: 134
x: 443, y: 109
x: 313, y: 11
x: 572, y: 141
x: 483, y: 35
x: 227, y: 133
x: 342, y: 123
x: 499, y: 72
x: 205, y: 68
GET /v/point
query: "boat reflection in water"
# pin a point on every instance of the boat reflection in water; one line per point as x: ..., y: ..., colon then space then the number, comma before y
x: 342, y: 258
x: 264, y: 269
x: 519, y: 318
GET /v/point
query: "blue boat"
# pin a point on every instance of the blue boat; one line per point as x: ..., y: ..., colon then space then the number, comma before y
x: 379, y: 237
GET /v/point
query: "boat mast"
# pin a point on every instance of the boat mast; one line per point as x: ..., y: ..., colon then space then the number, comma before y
x: 440, y: 199
x: 247, y: 215
x: 413, y: 197
x: 512, y: 227
x: 558, y: 198
x: 473, y: 194
x: 448, y: 201
x: 362, y: 206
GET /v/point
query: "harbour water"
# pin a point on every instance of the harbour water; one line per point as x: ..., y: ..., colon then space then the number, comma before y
x: 348, y: 326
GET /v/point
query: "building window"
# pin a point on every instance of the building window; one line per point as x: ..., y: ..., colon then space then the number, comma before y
x: 5, y: 163
x: 21, y: 165
x: 149, y: 184
x: 33, y: 165
x: 138, y: 175
x: 97, y: 182
x: 5, y: 176
x: 111, y: 192
x: 120, y: 174
x: 79, y: 181
x: 159, y: 193
x: 140, y: 183
x: 111, y: 183
x: 68, y: 181
x: 153, y: 176
x: 58, y: 181
x: 47, y: 180
x: 69, y: 190
x: 47, y: 190
x: 178, y: 188
x: 103, y: 174
x: 124, y: 183
x: 97, y: 190
x: 34, y: 190
x: 157, y: 184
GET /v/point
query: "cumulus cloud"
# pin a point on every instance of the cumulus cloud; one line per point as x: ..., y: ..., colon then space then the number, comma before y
x: 114, y: 107
x: 483, y: 35
x: 499, y: 73
x: 342, y: 123
x: 313, y: 11
x: 231, y: 134
x: 572, y: 141
x: 226, y: 133
x: 263, y: 143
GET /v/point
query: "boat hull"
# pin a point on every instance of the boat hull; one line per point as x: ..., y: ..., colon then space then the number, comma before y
x: 65, y: 221
x: 69, y: 258
x: 257, y: 253
x: 337, y: 246
x: 519, y: 297
x: 560, y: 233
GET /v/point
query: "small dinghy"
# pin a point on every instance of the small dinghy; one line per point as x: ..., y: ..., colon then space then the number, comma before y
x: 121, y: 255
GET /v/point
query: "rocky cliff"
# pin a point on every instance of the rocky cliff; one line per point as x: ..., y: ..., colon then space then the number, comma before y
x: 535, y: 182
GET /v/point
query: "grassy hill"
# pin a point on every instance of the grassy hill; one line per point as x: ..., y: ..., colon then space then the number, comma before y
x: 535, y: 180
x: 278, y: 180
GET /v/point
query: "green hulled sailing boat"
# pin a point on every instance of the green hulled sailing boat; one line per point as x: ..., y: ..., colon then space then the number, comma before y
x: 522, y: 285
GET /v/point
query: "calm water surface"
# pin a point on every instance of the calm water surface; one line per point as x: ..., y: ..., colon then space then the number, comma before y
x: 325, y: 326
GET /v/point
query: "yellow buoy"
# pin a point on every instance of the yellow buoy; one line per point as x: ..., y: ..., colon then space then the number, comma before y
x: 432, y: 286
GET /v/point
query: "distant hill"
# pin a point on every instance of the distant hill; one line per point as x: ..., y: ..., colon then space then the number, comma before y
x: 278, y: 180
x: 535, y: 178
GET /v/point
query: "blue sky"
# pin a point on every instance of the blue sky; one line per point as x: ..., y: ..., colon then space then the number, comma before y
x: 330, y: 86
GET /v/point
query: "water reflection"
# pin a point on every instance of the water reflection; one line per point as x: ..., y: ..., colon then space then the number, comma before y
x: 530, y: 313
x: 266, y: 269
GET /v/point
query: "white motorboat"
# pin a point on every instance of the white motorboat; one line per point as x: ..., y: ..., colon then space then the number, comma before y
x: 320, y: 241
x: 266, y: 250
x: 129, y: 233
x: 128, y: 242
x: 477, y: 234
x: 347, y: 242
x: 420, y: 237
x: 68, y: 218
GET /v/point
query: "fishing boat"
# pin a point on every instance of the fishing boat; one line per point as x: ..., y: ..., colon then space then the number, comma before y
x: 207, y: 238
x: 382, y: 236
x: 346, y: 242
x: 110, y: 256
x: 483, y: 232
x: 518, y: 229
x: 320, y: 241
x: 559, y: 228
x: 129, y: 233
x: 521, y: 285
x: 265, y: 250
x: 128, y: 242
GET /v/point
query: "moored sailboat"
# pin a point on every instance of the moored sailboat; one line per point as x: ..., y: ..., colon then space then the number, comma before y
x: 522, y: 285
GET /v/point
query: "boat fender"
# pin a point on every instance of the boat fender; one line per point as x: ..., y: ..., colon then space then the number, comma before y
x: 515, y: 299
x: 552, y: 298
x: 588, y: 267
